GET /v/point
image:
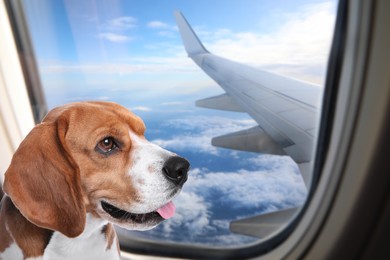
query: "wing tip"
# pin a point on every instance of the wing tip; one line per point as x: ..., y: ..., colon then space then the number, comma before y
x: 191, y: 42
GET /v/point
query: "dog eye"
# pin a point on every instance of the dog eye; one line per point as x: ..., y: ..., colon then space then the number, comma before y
x: 107, y: 145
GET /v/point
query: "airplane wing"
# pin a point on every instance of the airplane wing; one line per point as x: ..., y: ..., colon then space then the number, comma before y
x: 286, y: 110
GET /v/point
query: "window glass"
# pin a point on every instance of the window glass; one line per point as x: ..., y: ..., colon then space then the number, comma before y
x: 131, y: 52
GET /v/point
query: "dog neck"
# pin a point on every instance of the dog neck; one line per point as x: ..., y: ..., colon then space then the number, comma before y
x: 96, y: 242
x: 20, y: 239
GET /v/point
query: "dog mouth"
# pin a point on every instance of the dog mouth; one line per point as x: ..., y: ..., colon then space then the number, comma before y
x: 160, y: 214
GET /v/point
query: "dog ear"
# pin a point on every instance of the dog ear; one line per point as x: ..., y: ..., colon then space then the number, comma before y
x: 44, y: 182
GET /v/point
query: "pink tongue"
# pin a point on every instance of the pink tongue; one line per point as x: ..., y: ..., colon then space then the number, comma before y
x: 167, y: 211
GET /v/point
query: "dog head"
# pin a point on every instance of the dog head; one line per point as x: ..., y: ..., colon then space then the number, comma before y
x: 93, y: 157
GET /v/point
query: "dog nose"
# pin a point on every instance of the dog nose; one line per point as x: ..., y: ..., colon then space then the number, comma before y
x: 176, y: 170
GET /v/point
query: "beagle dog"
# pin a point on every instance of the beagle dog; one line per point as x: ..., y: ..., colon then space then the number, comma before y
x: 86, y: 166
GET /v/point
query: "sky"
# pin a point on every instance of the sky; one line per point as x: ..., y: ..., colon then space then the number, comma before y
x: 135, y: 44
x: 131, y: 52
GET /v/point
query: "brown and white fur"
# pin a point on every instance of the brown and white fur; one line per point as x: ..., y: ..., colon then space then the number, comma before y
x: 86, y: 166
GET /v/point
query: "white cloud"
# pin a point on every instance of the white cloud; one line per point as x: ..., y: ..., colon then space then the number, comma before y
x: 173, y: 64
x: 173, y: 103
x: 277, y: 184
x: 206, y: 127
x: 210, y: 36
x: 167, y: 34
x: 122, y: 23
x: 162, y: 25
x: 302, y: 40
x: 141, y: 108
x: 116, y: 30
x: 85, y: 98
x: 183, y: 142
x: 190, y: 206
x: 103, y: 98
x: 115, y: 37
x: 164, y: 29
x: 158, y: 25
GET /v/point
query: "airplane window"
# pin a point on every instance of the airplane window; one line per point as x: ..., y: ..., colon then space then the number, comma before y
x: 246, y: 126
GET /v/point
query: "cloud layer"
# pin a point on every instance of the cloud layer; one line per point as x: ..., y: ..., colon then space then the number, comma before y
x: 116, y: 30
x: 199, y: 130
x: 212, y: 198
x: 114, y: 37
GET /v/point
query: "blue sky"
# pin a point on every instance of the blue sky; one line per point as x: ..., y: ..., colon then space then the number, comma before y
x: 130, y: 52
x: 139, y: 24
x: 84, y: 47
